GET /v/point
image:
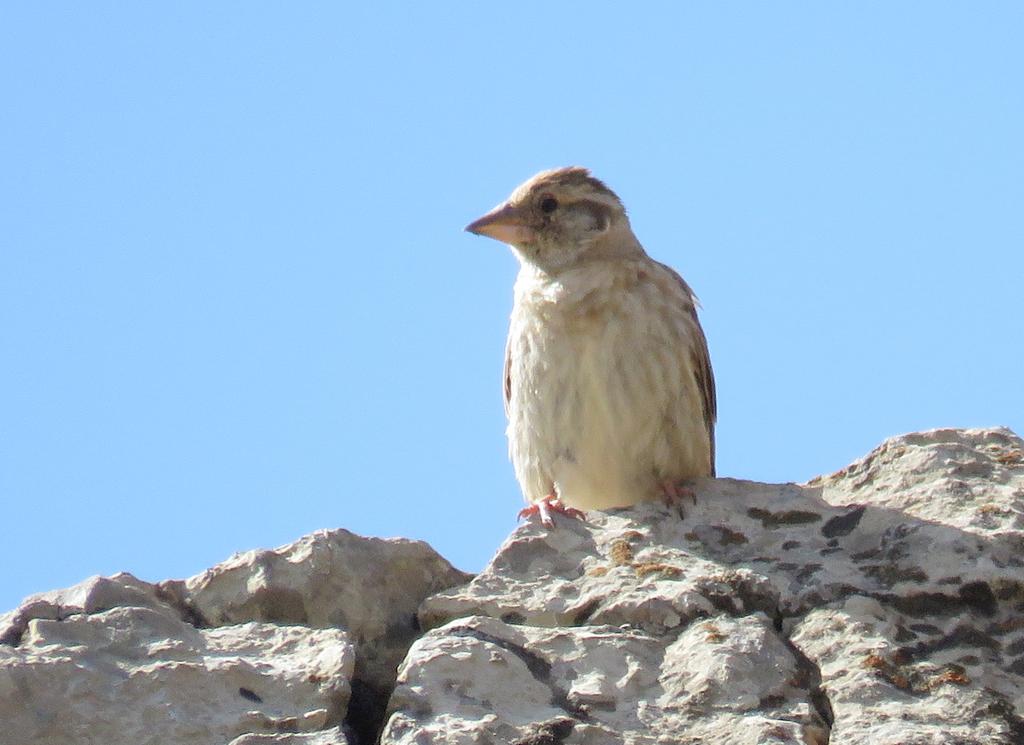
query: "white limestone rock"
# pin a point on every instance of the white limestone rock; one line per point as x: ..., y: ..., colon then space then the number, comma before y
x: 107, y: 663
x: 297, y: 645
x: 897, y: 584
x: 371, y: 587
x: 880, y: 605
x: 91, y: 596
x: 479, y: 679
x: 881, y: 694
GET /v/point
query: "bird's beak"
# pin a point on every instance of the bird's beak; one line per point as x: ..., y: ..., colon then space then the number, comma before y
x: 504, y: 223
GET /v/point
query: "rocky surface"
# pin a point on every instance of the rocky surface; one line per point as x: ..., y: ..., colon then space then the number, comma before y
x: 283, y: 646
x: 883, y: 604
x: 369, y: 587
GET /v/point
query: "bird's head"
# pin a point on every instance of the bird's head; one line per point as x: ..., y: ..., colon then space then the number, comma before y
x: 560, y: 218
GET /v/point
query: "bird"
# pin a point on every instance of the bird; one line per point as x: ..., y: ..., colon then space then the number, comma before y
x: 608, y: 387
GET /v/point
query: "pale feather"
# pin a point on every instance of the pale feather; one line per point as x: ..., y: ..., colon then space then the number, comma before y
x: 608, y: 384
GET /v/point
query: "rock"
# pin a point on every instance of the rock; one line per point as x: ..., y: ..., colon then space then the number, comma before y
x: 94, y: 595
x: 115, y: 667
x: 371, y: 587
x: 600, y: 684
x: 295, y: 645
x: 882, y: 604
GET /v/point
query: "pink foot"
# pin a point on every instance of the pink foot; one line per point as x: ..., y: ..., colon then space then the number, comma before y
x: 673, y: 493
x: 546, y: 507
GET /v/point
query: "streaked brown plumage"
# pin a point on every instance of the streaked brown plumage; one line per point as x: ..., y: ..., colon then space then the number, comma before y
x: 608, y: 384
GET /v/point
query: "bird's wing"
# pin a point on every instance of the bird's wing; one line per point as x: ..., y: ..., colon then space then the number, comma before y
x: 700, y: 362
x: 506, y: 375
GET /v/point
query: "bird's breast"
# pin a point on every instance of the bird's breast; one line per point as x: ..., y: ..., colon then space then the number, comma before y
x: 595, y: 378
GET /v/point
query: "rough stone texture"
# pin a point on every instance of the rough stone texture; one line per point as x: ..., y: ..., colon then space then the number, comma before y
x: 106, y: 662
x: 264, y: 648
x: 371, y: 587
x: 883, y: 604
x: 505, y: 683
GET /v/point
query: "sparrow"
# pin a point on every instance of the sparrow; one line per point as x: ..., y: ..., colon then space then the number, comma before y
x: 608, y: 387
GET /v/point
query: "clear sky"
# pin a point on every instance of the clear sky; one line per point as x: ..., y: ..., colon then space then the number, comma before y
x: 237, y: 304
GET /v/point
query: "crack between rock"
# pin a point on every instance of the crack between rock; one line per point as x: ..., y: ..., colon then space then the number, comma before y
x: 810, y: 674
x: 364, y: 719
x: 539, y: 668
x: 1006, y: 711
x: 12, y: 638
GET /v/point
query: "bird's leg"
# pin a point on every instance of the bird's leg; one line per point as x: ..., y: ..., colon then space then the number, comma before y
x: 674, y: 492
x: 548, y: 505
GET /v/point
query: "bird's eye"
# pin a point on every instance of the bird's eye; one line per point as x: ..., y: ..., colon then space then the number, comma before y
x: 548, y: 205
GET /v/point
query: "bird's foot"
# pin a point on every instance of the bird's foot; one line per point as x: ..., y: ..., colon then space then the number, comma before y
x: 673, y: 493
x: 546, y: 507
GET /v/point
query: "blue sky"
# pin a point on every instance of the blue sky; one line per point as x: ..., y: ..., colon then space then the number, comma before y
x: 237, y: 304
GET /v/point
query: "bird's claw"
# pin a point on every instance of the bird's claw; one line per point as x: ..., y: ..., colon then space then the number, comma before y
x: 546, y: 507
x: 673, y: 493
